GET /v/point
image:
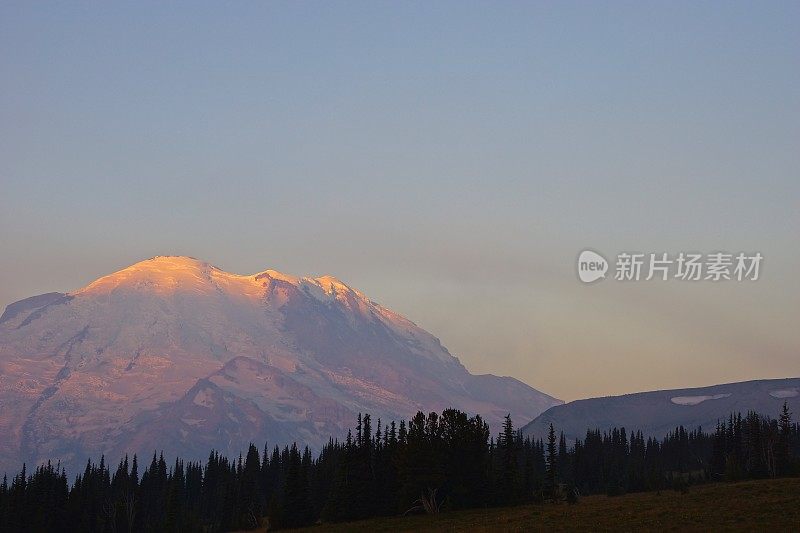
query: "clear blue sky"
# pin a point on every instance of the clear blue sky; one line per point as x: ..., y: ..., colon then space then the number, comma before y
x: 450, y: 159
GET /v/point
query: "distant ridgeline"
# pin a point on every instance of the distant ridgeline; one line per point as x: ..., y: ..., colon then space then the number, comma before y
x: 431, y: 463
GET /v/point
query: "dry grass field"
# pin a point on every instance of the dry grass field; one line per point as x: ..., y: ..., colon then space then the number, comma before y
x: 765, y: 505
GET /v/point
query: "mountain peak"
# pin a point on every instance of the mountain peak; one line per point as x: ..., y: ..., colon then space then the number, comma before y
x: 175, y: 260
x: 174, y: 350
x: 166, y: 274
x: 333, y: 285
x: 163, y: 273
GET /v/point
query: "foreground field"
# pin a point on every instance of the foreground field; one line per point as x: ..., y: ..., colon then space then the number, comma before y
x: 751, y: 505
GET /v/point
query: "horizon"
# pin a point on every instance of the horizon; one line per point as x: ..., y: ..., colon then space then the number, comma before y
x: 450, y: 161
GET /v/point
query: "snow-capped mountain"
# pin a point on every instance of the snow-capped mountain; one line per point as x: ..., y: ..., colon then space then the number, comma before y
x: 659, y: 412
x: 173, y: 353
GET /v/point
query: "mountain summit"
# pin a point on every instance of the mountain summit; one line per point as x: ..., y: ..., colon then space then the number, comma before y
x: 175, y: 354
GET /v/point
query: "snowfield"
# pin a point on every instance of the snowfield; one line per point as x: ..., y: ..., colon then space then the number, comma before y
x: 785, y: 393
x: 695, y: 400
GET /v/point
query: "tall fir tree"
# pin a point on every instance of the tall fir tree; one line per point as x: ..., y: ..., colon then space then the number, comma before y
x: 551, y: 473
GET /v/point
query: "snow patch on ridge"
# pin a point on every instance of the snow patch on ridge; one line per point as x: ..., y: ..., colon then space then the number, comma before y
x: 696, y: 400
x: 316, y: 291
x: 785, y: 393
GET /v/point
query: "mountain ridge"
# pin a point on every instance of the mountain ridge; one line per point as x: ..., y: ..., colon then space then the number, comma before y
x: 656, y: 413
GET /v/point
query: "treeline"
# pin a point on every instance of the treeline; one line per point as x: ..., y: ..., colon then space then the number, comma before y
x: 427, y: 464
x: 755, y: 447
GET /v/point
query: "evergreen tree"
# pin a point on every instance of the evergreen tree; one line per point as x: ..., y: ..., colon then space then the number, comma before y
x: 508, y: 479
x: 784, y: 451
x: 296, y: 509
x: 551, y: 480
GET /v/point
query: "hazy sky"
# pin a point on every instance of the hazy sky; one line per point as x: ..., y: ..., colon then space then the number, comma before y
x: 450, y: 159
